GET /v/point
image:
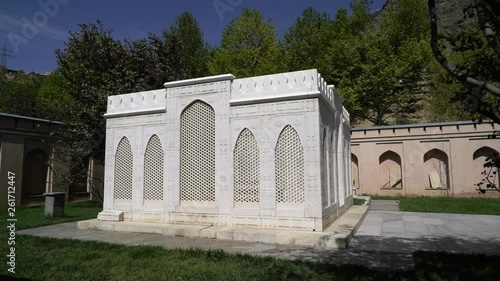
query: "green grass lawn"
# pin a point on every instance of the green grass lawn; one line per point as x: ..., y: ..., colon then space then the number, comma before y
x: 358, y: 201
x: 35, y: 216
x: 476, y: 205
x: 53, y: 259
x: 40, y: 258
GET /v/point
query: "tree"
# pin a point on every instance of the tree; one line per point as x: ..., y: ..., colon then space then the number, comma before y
x: 248, y: 47
x: 307, y: 40
x: 19, y: 95
x: 52, y: 99
x: 380, y: 69
x: 477, y: 68
x: 96, y: 66
x: 178, y: 53
x: 194, y: 50
x: 442, y: 105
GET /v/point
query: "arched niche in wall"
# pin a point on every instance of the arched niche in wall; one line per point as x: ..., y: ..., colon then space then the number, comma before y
x: 153, y: 170
x: 123, y: 171
x: 246, y: 169
x: 390, y: 172
x: 479, y: 157
x: 436, y: 169
x: 197, y: 155
x: 325, y: 167
x: 35, y: 172
x: 355, y: 171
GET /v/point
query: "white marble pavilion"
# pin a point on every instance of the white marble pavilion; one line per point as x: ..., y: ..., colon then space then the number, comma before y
x: 270, y: 151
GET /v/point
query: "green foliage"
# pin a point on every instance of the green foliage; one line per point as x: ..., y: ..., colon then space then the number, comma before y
x: 194, y: 51
x: 467, y: 48
x: 408, y: 21
x: 95, y: 66
x: 248, y: 47
x: 442, y: 104
x: 358, y: 201
x: 52, y: 99
x: 306, y: 41
x: 18, y: 96
x: 380, y: 70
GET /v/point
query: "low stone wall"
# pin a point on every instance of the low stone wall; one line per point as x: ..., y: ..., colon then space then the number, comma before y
x: 437, y: 159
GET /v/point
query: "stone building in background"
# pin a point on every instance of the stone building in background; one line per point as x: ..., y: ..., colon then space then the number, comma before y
x: 27, y: 151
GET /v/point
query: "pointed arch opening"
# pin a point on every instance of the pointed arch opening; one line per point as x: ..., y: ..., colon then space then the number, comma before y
x: 246, y: 169
x: 482, y: 174
x: 289, y: 167
x: 390, y: 173
x: 123, y: 170
x: 35, y: 171
x: 153, y: 170
x: 355, y: 171
x: 345, y: 163
x: 325, y: 166
x: 331, y: 152
x: 197, y: 153
x: 436, y: 169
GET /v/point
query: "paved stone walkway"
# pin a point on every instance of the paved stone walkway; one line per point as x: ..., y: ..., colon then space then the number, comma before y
x: 385, y: 239
x: 396, y: 235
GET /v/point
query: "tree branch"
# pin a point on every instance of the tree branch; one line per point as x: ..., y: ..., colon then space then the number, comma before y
x: 489, y: 114
x: 462, y: 77
x: 485, y: 22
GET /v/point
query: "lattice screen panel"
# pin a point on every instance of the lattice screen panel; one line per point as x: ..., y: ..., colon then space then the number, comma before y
x: 289, y: 167
x: 123, y: 170
x: 246, y: 169
x: 197, y: 178
x: 153, y: 170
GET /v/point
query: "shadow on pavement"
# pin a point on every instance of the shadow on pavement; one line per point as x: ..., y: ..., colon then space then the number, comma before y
x: 392, y: 252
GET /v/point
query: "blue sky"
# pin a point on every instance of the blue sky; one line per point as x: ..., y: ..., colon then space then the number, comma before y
x: 33, y: 32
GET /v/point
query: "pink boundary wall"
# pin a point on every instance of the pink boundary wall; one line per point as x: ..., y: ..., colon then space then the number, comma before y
x: 448, y: 156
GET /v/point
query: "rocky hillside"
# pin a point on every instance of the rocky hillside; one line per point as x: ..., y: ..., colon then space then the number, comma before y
x: 450, y: 14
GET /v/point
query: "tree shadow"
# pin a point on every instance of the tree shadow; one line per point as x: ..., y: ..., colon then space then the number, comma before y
x: 399, y: 253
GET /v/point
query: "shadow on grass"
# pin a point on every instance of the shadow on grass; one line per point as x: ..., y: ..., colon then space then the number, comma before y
x: 453, y: 266
x: 394, y: 252
x: 64, y: 259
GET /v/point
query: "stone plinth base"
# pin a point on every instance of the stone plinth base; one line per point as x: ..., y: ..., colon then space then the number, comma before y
x: 54, y: 204
x: 337, y: 236
x: 110, y: 215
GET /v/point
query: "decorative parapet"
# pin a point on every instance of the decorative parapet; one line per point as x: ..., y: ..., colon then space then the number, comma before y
x: 346, y: 115
x: 140, y: 103
x: 202, y: 80
x: 269, y: 88
x: 471, y: 129
x: 284, y: 86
